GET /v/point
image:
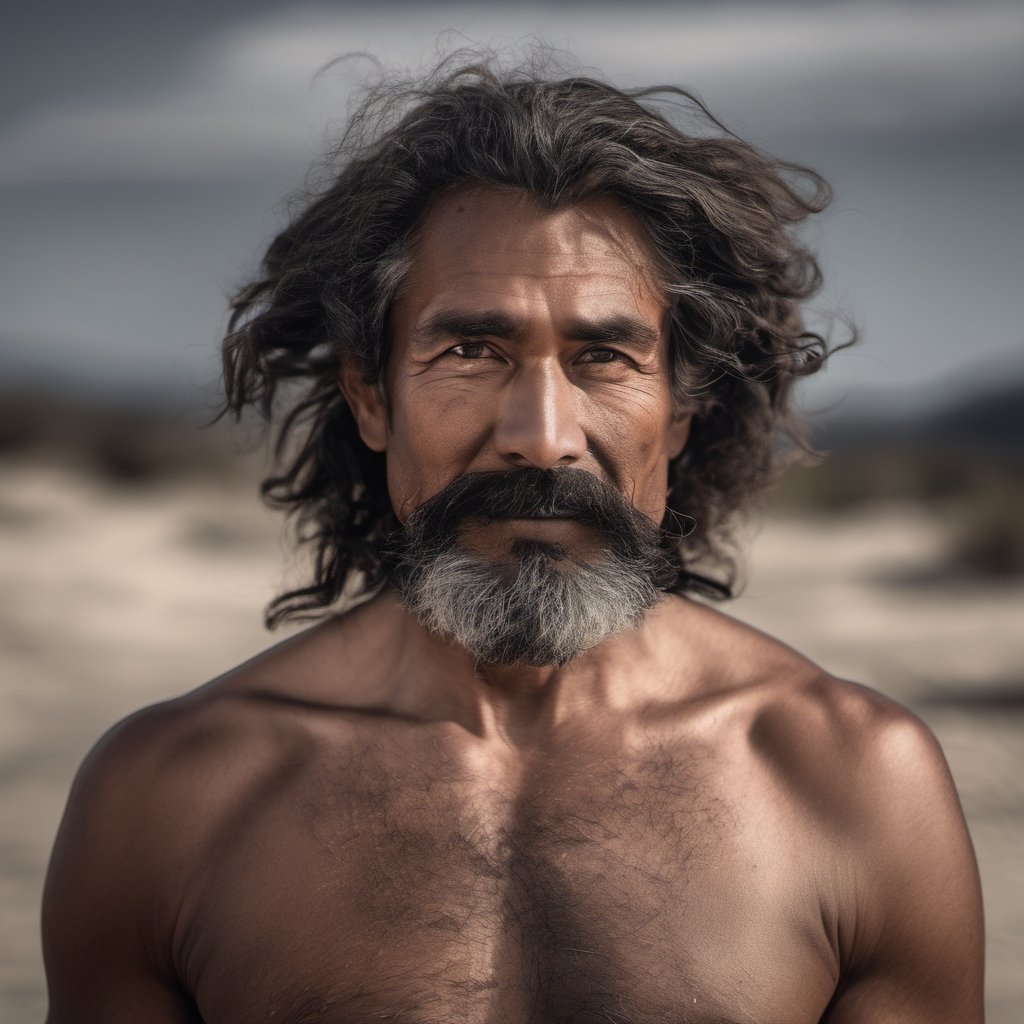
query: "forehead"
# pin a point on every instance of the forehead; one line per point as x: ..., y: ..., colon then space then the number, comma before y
x: 498, y: 244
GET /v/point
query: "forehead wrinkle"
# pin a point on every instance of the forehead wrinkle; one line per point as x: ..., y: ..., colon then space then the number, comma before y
x: 537, y: 274
x: 535, y: 265
x: 464, y: 286
x: 633, y: 257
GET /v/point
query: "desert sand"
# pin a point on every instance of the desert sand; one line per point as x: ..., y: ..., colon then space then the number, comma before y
x: 116, y: 597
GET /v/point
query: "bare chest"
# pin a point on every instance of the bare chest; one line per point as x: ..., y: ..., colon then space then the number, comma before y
x: 423, y: 894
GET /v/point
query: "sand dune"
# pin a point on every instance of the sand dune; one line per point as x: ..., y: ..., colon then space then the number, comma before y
x: 114, y: 598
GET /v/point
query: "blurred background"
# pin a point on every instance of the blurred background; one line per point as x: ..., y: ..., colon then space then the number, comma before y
x: 145, y: 153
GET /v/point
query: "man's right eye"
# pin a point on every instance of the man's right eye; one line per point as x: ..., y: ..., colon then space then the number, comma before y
x: 469, y: 350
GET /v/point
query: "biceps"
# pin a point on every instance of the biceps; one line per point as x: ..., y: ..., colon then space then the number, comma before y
x: 889, y: 994
x: 95, y: 973
x: 97, y: 966
x: 924, y: 964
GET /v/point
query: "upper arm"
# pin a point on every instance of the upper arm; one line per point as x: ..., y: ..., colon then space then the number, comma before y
x: 914, y: 946
x: 104, y: 898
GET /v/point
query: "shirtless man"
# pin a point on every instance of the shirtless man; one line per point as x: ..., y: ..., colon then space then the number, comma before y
x: 526, y: 778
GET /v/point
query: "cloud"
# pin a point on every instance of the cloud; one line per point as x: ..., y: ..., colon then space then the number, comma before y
x: 244, y: 105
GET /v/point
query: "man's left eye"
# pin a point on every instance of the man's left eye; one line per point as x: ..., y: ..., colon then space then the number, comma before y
x: 602, y: 355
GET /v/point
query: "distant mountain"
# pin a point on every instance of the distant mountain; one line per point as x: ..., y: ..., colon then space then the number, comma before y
x: 988, y: 423
x: 120, y: 442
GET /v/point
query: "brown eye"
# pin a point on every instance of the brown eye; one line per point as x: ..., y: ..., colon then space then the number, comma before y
x: 602, y: 355
x: 469, y: 350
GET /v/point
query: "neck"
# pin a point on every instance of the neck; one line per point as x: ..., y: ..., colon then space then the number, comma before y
x: 440, y: 679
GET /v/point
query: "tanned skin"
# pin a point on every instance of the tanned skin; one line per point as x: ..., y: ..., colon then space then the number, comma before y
x: 688, y: 823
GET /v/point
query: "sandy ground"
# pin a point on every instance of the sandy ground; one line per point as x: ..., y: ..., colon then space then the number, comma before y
x: 114, y: 599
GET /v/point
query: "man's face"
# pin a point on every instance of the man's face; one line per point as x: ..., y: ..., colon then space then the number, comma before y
x: 528, y: 338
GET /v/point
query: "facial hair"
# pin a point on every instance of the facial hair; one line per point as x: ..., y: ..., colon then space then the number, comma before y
x: 548, y: 606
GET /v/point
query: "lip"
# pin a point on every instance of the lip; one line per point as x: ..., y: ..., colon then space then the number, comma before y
x: 538, y: 516
x: 523, y: 526
x: 538, y: 522
x: 509, y: 529
x: 527, y: 519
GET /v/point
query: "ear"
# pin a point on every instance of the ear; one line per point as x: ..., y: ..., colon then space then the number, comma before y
x: 678, y: 434
x: 366, y: 400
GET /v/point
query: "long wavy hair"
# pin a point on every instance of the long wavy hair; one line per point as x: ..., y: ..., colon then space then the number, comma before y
x: 720, y: 214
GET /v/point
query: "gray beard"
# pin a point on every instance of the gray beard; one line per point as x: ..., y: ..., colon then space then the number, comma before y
x: 544, y: 609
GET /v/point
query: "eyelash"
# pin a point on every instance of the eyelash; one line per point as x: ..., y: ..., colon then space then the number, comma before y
x: 482, y: 347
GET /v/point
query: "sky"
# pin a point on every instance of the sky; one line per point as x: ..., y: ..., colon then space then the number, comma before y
x: 146, y: 151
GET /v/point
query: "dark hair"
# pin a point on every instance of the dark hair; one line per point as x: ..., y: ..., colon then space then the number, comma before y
x: 719, y: 212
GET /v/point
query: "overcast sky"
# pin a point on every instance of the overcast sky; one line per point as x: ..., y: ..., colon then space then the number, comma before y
x: 144, y: 154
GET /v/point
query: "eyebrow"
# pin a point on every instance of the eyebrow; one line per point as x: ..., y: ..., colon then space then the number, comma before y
x: 458, y: 323
x: 619, y: 327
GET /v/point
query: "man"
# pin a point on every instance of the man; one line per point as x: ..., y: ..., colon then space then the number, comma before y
x: 524, y: 777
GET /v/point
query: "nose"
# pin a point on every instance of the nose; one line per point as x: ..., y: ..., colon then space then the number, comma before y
x: 537, y: 420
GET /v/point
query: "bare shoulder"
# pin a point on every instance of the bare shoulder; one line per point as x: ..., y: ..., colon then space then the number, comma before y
x: 197, y: 755
x: 146, y: 803
x: 866, y: 771
x: 869, y: 790
x: 166, y: 776
x: 182, y: 756
x: 816, y: 729
x: 834, y: 733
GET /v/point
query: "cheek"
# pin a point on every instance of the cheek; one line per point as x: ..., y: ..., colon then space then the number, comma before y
x: 631, y: 441
x: 431, y: 439
x: 651, y: 492
x: 635, y: 427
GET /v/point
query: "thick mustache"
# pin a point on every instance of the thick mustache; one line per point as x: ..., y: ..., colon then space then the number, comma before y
x: 527, y: 494
x: 535, y: 493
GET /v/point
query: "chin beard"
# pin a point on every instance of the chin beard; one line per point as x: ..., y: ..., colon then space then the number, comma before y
x: 545, y: 607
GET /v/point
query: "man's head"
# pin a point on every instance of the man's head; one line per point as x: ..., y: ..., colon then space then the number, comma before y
x: 517, y: 273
